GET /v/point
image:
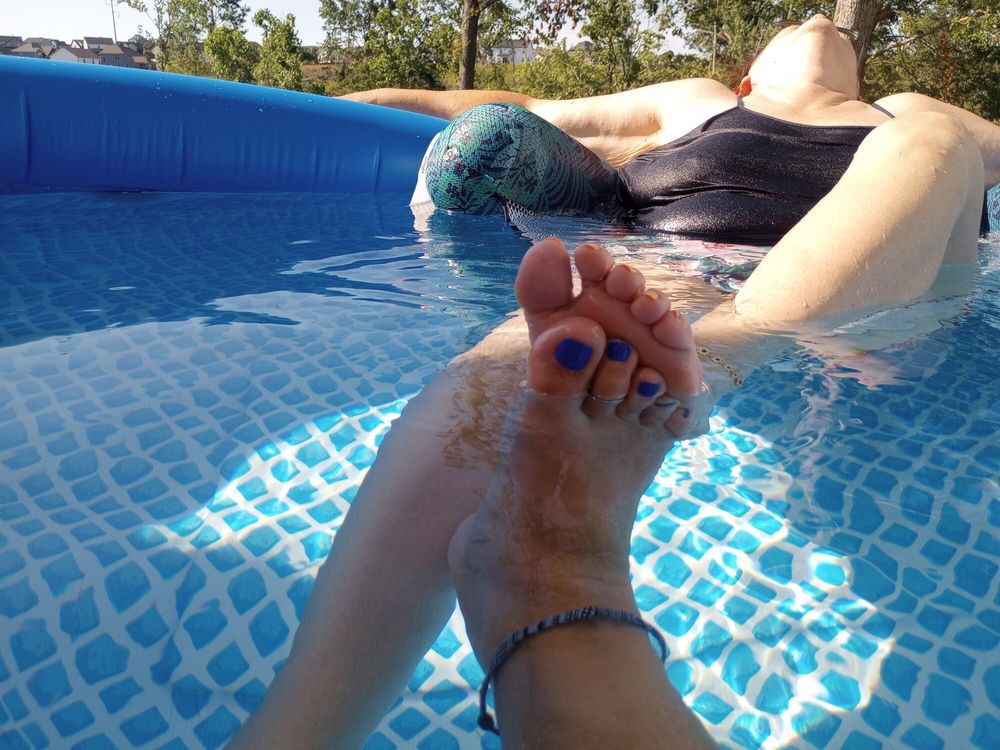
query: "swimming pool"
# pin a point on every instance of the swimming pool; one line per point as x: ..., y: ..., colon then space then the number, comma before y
x: 192, y: 386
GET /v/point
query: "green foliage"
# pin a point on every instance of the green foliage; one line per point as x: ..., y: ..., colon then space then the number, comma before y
x: 613, y: 27
x: 230, y: 13
x: 231, y: 55
x: 187, y: 25
x: 280, y: 63
x: 948, y: 49
x: 406, y: 43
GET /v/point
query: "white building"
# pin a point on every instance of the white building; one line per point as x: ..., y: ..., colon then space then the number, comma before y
x: 75, y: 54
x: 512, y: 51
x: 97, y: 43
x: 112, y: 54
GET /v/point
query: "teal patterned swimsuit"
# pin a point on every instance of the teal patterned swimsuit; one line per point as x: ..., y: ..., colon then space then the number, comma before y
x: 498, y: 157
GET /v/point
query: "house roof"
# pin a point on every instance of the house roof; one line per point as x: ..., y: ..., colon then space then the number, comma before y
x: 112, y: 49
x: 98, y: 40
x: 8, y: 41
x: 85, y: 54
x: 514, y: 43
x: 27, y: 47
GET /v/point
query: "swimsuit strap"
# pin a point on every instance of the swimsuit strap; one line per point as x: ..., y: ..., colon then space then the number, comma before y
x: 880, y: 108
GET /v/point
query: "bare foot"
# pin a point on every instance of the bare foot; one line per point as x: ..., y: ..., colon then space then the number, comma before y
x: 553, y: 531
x: 615, y: 297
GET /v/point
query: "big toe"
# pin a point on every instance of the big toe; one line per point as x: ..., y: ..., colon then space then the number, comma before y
x: 544, y: 280
x: 564, y: 358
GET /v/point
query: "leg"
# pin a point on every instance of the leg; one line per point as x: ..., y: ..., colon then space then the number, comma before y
x: 553, y: 535
x: 385, y: 591
x: 909, y: 203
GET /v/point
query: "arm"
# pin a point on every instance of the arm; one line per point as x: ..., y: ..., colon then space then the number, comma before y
x: 613, y: 125
x: 446, y: 104
x: 983, y: 132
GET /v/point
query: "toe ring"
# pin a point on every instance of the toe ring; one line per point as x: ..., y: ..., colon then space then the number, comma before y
x: 605, y: 400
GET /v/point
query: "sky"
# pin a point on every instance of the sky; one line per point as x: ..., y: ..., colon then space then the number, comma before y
x: 74, y: 19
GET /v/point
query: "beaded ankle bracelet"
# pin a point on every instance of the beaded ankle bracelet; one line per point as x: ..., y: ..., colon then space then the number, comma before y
x: 486, y: 721
x: 706, y: 354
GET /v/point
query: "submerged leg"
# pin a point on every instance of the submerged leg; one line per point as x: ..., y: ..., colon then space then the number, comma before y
x: 384, y: 592
x: 909, y: 202
x: 553, y: 535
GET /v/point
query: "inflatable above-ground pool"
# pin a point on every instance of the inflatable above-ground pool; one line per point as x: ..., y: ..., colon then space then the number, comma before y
x: 69, y: 126
x: 89, y: 127
x: 215, y: 301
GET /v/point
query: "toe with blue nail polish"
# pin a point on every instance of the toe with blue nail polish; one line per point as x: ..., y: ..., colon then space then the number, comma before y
x: 618, y: 351
x: 573, y: 355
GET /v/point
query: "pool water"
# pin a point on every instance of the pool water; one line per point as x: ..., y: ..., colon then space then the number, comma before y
x: 192, y: 387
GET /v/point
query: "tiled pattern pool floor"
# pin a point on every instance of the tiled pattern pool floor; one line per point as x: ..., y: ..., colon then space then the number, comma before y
x: 824, y: 563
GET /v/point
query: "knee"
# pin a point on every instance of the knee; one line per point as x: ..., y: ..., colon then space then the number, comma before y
x: 469, y: 162
x: 923, y: 133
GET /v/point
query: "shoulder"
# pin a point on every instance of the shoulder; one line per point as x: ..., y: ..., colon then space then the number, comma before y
x: 684, y: 105
x: 689, y: 89
x: 908, y: 103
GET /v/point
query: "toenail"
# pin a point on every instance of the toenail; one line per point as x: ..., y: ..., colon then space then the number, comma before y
x: 686, y: 413
x: 648, y: 390
x: 573, y: 354
x: 618, y: 351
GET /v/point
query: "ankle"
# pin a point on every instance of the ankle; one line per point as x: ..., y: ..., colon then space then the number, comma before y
x: 492, y: 618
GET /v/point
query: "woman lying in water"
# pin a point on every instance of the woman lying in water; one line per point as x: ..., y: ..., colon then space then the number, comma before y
x: 908, y: 203
x: 684, y: 156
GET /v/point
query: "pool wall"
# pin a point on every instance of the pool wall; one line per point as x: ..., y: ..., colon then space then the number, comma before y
x: 72, y: 126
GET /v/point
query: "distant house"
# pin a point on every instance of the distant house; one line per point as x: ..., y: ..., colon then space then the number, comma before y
x: 586, y: 47
x: 78, y: 44
x: 112, y: 54
x: 9, y: 43
x: 97, y: 43
x: 46, y: 45
x: 28, y: 50
x: 75, y: 54
x: 140, y: 62
x: 512, y: 52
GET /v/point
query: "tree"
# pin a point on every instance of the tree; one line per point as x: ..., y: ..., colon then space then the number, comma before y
x: 280, y: 63
x: 181, y: 26
x: 948, y: 49
x: 231, y: 55
x: 185, y: 29
x: 550, y: 14
x: 613, y: 28
x: 405, y: 43
x: 231, y: 13
x: 862, y: 16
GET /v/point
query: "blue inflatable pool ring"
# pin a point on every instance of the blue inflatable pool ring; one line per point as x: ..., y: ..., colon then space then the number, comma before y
x: 73, y: 126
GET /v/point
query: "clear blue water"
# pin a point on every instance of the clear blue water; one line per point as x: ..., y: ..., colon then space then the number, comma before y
x: 192, y: 386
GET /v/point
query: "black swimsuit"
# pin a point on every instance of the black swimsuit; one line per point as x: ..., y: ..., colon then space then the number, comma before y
x: 740, y: 174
